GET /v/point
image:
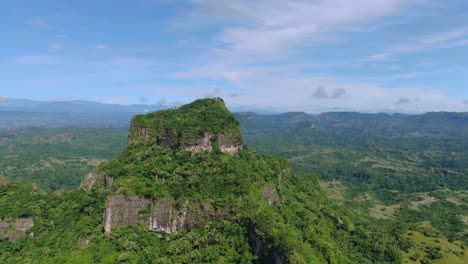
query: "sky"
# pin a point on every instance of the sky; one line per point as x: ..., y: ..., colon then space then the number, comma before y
x: 296, y: 55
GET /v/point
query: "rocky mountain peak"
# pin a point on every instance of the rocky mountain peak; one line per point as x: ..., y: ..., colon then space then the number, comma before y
x: 203, y: 125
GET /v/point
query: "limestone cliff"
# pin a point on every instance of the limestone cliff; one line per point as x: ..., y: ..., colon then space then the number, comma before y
x: 199, y: 126
x: 163, y: 215
x: 96, y: 178
x: 158, y: 184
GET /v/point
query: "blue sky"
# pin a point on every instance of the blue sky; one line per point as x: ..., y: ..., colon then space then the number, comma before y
x: 315, y: 55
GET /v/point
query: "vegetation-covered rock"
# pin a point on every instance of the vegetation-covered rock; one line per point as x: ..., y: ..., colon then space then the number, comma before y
x: 195, y: 127
x: 165, y: 203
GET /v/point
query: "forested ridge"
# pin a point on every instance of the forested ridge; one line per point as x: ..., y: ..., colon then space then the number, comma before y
x: 355, y: 179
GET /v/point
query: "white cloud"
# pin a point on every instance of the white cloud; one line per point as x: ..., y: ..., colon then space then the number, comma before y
x: 446, y: 36
x: 409, y: 75
x: 286, y: 90
x: 461, y: 43
x: 268, y: 29
x: 39, y: 22
x: 123, y: 100
x: 441, y: 40
x: 224, y: 71
x: 359, y: 96
x: 260, y: 31
x: 378, y: 57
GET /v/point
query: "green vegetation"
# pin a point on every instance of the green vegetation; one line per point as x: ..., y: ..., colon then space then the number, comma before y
x: 392, y: 188
x: 407, y: 170
x: 57, y: 157
x: 176, y: 127
x: 293, y: 219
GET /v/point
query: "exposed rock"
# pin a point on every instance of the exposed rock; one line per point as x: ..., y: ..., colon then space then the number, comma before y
x: 122, y: 211
x: 90, y: 180
x: 229, y: 143
x: 97, y: 178
x: 161, y: 219
x: 14, y: 229
x: 189, y: 128
x: 109, y: 181
x: 140, y: 134
x: 164, y: 215
x: 269, y: 192
x: 201, y: 144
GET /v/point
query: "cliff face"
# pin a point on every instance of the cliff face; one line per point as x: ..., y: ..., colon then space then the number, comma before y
x: 199, y: 126
x: 96, y: 178
x: 122, y: 211
x: 162, y: 216
x: 158, y: 184
x: 14, y: 229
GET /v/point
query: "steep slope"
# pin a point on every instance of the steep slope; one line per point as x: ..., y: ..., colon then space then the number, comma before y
x: 187, y: 190
x: 410, y: 170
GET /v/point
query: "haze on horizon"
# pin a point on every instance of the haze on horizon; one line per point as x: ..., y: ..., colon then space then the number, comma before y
x: 367, y: 55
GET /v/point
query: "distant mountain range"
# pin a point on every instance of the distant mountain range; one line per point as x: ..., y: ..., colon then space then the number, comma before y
x: 73, y: 106
x: 18, y: 113
x: 433, y: 124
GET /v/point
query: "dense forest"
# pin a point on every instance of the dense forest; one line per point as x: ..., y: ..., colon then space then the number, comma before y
x: 57, y: 158
x: 356, y: 179
x: 407, y: 170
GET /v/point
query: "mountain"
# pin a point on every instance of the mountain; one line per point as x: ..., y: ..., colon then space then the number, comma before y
x: 72, y: 107
x: 410, y: 170
x: 14, y: 102
x: 432, y: 124
x: 188, y: 190
x: 20, y: 113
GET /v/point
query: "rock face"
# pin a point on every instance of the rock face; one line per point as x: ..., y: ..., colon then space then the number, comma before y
x: 122, y: 211
x: 14, y: 229
x: 267, y: 255
x: 201, y: 144
x: 97, y: 178
x: 229, y: 143
x: 164, y: 215
x: 175, y: 181
x: 194, y: 127
x: 269, y: 192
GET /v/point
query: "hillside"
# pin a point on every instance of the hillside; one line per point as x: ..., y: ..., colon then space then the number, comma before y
x: 432, y: 124
x: 57, y: 158
x: 188, y: 190
x: 408, y: 170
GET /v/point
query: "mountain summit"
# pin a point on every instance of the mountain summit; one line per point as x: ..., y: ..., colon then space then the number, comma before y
x: 199, y: 126
x: 186, y: 175
x: 187, y: 168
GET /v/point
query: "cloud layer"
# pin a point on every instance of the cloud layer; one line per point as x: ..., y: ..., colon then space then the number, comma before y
x: 268, y: 29
x: 296, y: 55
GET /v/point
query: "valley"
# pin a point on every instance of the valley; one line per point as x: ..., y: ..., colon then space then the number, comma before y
x: 416, y: 184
